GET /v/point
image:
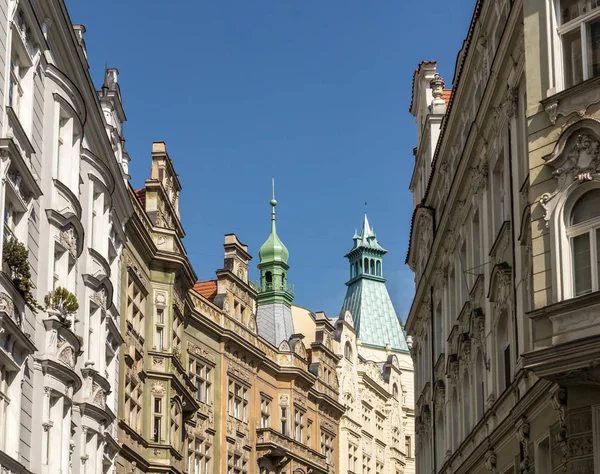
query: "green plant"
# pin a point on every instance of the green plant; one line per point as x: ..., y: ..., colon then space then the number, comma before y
x: 16, y: 256
x: 63, y: 301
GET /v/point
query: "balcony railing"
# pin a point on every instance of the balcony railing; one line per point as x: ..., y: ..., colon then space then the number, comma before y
x: 266, y: 286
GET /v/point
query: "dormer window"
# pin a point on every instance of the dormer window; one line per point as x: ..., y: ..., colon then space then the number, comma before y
x: 579, y: 31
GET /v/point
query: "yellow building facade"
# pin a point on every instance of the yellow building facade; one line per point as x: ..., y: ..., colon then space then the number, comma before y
x: 202, y: 390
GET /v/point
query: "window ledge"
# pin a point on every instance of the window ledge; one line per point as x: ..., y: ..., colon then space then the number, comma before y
x: 574, y: 99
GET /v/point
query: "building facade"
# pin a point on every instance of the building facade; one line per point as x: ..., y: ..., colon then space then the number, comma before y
x: 504, y: 318
x: 205, y: 389
x: 375, y: 369
x: 156, y: 394
x: 63, y: 195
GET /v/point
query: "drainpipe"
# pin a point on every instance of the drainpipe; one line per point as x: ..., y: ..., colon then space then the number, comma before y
x: 512, y: 228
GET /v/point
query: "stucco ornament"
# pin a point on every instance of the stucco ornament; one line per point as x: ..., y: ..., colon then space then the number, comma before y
x: 575, y: 160
x: 68, y: 239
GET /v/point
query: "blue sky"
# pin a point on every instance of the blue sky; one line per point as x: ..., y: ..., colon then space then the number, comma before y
x: 313, y: 93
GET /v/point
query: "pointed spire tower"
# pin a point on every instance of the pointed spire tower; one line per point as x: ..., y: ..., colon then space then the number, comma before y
x: 367, y: 298
x: 274, y: 301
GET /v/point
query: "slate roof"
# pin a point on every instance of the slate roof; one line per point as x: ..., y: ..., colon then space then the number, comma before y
x: 374, y: 315
x: 274, y: 322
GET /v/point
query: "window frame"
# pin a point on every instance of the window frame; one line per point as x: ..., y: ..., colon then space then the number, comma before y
x: 561, y: 30
x: 590, y: 227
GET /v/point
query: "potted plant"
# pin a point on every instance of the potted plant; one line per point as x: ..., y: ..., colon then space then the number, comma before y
x: 16, y: 257
x: 63, y: 302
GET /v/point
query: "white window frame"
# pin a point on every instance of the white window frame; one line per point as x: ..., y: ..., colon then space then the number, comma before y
x: 580, y: 23
x: 562, y: 270
x: 587, y: 227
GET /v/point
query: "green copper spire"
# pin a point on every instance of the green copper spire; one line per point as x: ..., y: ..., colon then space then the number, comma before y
x: 367, y: 297
x: 273, y: 249
x: 274, y: 302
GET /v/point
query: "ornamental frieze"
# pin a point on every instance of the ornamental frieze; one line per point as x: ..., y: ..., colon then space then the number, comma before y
x: 199, y: 351
x: 238, y: 372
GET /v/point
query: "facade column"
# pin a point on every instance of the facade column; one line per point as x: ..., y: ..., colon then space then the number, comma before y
x: 46, y: 425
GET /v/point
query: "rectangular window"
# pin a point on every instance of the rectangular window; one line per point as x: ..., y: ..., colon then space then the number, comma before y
x: 159, y: 330
x: 582, y: 264
x: 499, y: 194
x: 542, y: 457
x: 408, y: 446
x: 158, y: 417
x: 507, y: 375
x: 476, y: 244
x: 283, y: 419
x: 299, y: 425
x: 327, y: 447
x: 379, y: 425
x: 265, y: 412
x: 366, y: 462
x: 201, y: 375
x: 439, y: 333
x: 352, y: 457
x: 579, y: 31
x: 238, y: 401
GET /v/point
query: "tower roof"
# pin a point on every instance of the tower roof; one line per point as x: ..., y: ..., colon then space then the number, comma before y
x: 367, y: 297
x: 374, y: 316
x: 367, y: 238
x: 273, y: 250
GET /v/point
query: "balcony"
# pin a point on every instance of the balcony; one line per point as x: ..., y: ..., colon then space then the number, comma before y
x: 274, y: 286
x: 271, y: 443
x: 15, y: 343
x: 61, y: 349
x: 566, y: 341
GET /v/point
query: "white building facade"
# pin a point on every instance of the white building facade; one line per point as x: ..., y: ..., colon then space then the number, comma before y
x: 64, y: 197
x: 375, y: 370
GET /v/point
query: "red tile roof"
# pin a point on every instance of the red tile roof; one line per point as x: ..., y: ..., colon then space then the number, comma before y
x: 208, y: 289
x: 141, y: 196
x: 446, y: 96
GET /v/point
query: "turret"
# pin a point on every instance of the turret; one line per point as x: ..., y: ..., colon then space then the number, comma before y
x: 274, y: 301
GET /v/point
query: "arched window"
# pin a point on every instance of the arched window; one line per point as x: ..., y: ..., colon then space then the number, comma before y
x: 355, y: 269
x: 348, y: 350
x: 366, y: 267
x: 395, y: 391
x: 503, y: 352
x: 372, y: 267
x: 479, y: 385
x: 584, y: 234
x: 378, y: 267
x: 269, y: 278
x: 466, y: 403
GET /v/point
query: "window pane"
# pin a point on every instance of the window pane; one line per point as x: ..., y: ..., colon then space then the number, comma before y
x: 594, y: 48
x: 581, y: 264
x: 573, y: 62
x: 587, y: 207
x: 571, y: 9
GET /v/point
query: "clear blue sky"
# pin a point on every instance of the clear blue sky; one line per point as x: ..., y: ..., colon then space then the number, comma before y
x: 313, y: 93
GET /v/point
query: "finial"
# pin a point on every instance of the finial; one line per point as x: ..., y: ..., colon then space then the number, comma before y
x: 273, y: 201
x: 437, y: 86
